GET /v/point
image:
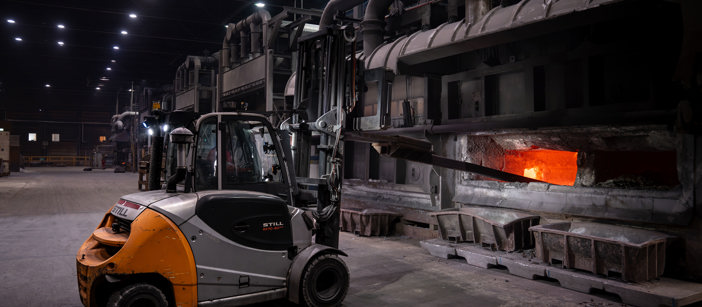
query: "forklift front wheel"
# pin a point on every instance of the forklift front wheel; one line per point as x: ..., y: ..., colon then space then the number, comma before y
x: 139, y: 294
x: 325, y: 281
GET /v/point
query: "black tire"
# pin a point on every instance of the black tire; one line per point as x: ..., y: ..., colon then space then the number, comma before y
x: 325, y: 281
x: 138, y: 295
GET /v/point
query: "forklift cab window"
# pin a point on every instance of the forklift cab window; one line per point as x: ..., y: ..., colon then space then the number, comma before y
x: 205, y: 164
x: 251, y: 156
x: 248, y: 156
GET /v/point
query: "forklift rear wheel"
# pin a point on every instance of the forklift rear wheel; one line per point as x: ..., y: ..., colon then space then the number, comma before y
x: 325, y: 281
x: 138, y: 295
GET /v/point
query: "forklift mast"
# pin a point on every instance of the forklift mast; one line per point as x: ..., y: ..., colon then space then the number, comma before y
x: 320, y: 104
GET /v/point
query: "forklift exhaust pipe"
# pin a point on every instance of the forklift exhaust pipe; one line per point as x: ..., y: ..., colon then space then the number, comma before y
x: 182, y: 138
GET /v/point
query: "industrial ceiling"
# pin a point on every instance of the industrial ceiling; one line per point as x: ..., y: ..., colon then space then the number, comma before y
x: 83, y: 55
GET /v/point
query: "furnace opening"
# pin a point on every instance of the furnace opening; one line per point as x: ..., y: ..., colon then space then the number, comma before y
x: 552, y: 166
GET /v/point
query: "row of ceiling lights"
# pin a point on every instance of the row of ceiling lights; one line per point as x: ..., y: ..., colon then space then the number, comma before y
x: 61, y: 26
x: 61, y: 43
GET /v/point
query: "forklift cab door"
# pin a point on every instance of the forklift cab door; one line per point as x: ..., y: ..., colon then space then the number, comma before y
x: 239, y: 152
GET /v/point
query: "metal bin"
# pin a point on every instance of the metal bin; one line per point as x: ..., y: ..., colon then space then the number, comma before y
x: 503, y: 229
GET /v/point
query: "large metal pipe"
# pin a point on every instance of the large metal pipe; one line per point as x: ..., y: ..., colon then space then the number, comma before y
x: 256, y: 30
x: 373, y: 25
x: 452, y: 10
x: 235, y: 45
x: 476, y: 9
x: 244, y: 43
x: 333, y: 7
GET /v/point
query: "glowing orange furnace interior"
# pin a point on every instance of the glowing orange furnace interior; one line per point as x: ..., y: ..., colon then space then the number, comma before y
x: 552, y: 166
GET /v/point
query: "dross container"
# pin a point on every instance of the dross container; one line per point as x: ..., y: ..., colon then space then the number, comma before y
x: 503, y: 229
x: 368, y: 222
x: 626, y: 253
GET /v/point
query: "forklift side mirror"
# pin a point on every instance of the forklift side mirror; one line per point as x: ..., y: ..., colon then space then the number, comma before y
x: 182, y: 138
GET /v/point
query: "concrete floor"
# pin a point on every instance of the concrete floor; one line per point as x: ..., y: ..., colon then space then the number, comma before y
x: 46, y: 213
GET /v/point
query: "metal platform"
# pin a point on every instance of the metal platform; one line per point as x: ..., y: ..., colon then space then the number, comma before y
x: 661, y: 292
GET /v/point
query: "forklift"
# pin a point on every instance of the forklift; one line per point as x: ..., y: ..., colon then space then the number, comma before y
x: 232, y: 227
x: 235, y: 225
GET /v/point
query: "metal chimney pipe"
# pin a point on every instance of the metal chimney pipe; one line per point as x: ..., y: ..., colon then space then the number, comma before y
x: 335, y: 6
x: 226, y: 46
x: 235, y: 45
x: 452, y: 10
x: 373, y: 25
x: 476, y: 9
x: 256, y: 29
x: 244, y: 44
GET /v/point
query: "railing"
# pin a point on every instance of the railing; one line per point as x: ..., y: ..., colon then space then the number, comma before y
x: 57, y: 160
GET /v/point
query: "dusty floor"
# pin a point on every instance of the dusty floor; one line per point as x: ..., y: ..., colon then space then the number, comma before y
x: 46, y: 213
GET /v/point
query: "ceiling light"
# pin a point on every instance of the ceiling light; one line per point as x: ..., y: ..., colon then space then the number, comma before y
x: 60, y: 26
x: 10, y: 21
x: 259, y: 4
x: 60, y: 43
x: 19, y: 39
x: 132, y: 15
x: 115, y: 47
x: 124, y: 32
x: 47, y: 85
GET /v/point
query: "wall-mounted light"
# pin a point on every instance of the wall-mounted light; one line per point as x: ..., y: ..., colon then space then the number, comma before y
x: 61, y: 26
x: 260, y: 4
x: 47, y: 85
x: 115, y: 47
x: 60, y: 43
x: 19, y: 39
x: 108, y: 68
x: 10, y: 21
x: 97, y: 88
x: 124, y: 32
x: 132, y: 15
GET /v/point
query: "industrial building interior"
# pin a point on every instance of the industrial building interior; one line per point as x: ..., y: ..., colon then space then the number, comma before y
x: 552, y: 142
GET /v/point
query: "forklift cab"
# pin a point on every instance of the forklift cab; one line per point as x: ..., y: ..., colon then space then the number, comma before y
x: 237, y: 151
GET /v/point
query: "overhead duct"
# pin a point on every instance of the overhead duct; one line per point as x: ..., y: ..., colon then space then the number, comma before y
x: 244, y: 37
x: 373, y: 24
x: 333, y: 7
